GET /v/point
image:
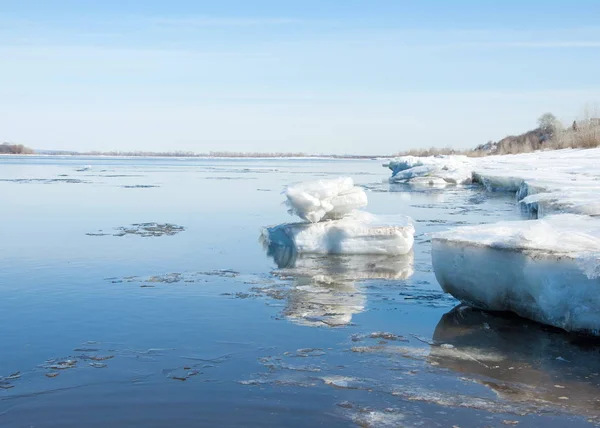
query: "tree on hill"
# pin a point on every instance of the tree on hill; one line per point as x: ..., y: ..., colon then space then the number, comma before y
x: 548, y: 122
x: 15, y: 149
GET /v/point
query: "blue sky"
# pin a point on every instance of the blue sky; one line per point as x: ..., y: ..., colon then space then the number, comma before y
x: 364, y: 77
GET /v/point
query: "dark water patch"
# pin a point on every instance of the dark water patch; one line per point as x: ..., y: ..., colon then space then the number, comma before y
x: 140, y: 186
x: 7, y: 382
x: 175, y: 278
x: 223, y: 273
x: 230, y: 178
x: 115, y: 175
x: 44, y: 180
x: 416, y: 375
x: 381, y: 335
x: 84, y: 359
x: 145, y: 230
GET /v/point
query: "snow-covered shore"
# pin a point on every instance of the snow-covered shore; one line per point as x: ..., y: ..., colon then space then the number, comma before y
x: 547, y: 269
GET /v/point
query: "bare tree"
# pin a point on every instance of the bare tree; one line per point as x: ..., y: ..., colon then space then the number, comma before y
x: 548, y: 122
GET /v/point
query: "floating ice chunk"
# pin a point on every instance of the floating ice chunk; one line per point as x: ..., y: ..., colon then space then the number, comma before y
x: 499, y: 183
x: 357, y: 233
x: 435, y: 182
x: 545, y: 270
x: 325, y: 199
x: 436, y: 171
x: 402, y: 163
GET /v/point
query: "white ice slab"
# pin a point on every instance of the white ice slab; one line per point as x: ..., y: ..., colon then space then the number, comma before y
x: 325, y: 199
x: 545, y: 270
x: 436, y: 171
x: 357, y: 233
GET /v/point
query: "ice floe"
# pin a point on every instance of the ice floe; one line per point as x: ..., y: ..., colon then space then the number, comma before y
x: 334, y: 225
x: 435, y: 171
x: 357, y: 233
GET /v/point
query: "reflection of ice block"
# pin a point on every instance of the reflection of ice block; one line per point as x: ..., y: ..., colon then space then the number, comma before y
x: 545, y: 270
x: 323, y: 290
x: 518, y: 359
x: 324, y: 301
x: 358, y: 233
x: 325, y: 199
x: 345, y: 268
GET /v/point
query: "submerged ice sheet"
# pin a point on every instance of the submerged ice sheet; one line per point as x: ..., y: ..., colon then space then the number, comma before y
x: 545, y: 270
x: 357, y: 233
x: 325, y: 199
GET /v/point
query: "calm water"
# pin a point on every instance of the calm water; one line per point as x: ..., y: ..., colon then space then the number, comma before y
x: 102, y: 326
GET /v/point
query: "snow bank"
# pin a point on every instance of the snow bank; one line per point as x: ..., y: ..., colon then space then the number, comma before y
x: 545, y: 270
x: 325, y: 199
x: 561, y: 181
x: 357, y: 233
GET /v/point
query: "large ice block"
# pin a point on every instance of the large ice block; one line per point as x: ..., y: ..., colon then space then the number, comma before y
x: 545, y: 270
x: 357, y: 233
x: 325, y: 199
x: 435, y: 171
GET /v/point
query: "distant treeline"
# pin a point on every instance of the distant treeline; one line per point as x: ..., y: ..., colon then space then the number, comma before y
x: 220, y: 154
x: 550, y: 134
x: 15, y: 149
x: 193, y: 154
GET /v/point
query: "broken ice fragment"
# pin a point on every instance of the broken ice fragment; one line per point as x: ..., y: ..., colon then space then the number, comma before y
x: 325, y: 199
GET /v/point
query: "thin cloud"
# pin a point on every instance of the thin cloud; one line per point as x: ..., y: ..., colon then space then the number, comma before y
x: 214, y: 21
x: 529, y: 44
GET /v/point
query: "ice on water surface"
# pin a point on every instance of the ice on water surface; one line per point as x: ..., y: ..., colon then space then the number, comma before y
x: 546, y: 269
x: 325, y: 289
x: 333, y: 224
x: 357, y: 233
x: 435, y: 171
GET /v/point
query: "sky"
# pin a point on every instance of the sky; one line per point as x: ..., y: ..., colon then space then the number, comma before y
x: 315, y: 76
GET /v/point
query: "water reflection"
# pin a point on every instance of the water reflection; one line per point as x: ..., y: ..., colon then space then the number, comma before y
x: 407, y: 191
x: 325, y: 289
x: 521, y: 361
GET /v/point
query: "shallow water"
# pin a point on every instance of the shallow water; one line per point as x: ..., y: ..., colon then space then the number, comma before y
x: 136, y: 293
